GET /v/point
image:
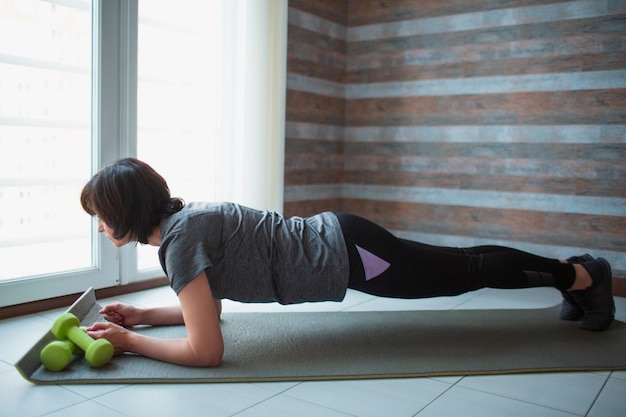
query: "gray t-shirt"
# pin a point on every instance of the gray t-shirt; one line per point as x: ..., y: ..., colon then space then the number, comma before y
x: 255, y: 256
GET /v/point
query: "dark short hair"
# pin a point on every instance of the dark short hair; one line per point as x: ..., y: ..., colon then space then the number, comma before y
x: 130, y: 197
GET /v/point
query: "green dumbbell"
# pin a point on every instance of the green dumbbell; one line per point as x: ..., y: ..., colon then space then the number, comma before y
x: 57, y: 355
x: 97, y: 352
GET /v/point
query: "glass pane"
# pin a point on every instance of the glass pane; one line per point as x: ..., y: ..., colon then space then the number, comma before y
x: 45, y: 136
x: 177, y: 46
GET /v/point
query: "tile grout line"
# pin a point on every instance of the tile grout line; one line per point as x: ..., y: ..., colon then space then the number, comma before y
x: 284, y: 392
x: 438, y: 396
x: 530, y: 402
x: 606, y: 381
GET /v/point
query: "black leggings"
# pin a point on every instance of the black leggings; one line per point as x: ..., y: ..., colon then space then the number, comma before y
x: 418, y: 270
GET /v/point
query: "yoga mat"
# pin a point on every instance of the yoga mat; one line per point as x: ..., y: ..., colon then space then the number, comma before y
x: 358, y: 345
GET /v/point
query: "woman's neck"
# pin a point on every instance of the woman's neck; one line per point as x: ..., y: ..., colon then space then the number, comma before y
x: 155, y: 238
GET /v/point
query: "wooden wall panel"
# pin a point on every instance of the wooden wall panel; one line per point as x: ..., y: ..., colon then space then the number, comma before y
x: 463, y: 122
x: 562, y: 107
x: 367, y: 12
x: 316, y: 56
x: 335, y: 11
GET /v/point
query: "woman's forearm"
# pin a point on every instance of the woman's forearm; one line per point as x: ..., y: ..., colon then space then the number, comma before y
x: 177, y: 351
x: 169, y: 315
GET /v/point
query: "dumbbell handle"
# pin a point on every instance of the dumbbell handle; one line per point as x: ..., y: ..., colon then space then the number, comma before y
x: 97, y: 352
x: 79, y: 337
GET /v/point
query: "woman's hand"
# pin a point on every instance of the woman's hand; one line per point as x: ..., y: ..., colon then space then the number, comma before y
x: 117, y: 335
x: 122, y: 314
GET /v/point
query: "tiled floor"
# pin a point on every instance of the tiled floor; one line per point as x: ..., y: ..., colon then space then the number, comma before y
x: 598, y: 394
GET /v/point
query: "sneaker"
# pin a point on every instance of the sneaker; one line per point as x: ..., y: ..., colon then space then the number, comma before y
x: 570, y: 310
x: 597, y: 301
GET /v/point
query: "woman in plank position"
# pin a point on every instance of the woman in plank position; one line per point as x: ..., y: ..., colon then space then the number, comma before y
x: 214, y: 251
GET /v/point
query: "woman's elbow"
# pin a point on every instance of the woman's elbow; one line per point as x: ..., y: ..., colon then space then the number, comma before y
x: 211, y: 359
x: 215, y: 363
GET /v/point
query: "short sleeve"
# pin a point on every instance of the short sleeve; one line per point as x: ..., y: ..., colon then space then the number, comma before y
x: 183, y: 256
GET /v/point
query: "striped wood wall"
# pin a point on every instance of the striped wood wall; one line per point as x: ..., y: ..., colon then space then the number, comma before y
x: 463, y: 122
x: 315, y: 119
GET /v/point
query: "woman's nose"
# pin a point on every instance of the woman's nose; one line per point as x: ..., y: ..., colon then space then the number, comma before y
x: 100, y: 226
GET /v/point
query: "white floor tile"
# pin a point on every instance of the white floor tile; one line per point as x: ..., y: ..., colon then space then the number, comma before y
x: 22, y: 341
x: 93, y: 390
x: 515, y: 299
x: 276, y: 387
x: 463, y: 402
x: 620, y: 308
x: 571, y: 392
x: 388, y: 397
x: 612, y: 400
x: 148, y: 298
x: 23, y: 323
x: 166, y: 400
x: 448, y: 379
x: 619, y: 375
x: 282, y: 405
x: 87, y: 409
x: 21, y: 398
x: 352, y: 298
x: 435, y: 303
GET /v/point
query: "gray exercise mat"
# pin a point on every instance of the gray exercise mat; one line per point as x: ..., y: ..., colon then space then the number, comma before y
x: 357, y: 345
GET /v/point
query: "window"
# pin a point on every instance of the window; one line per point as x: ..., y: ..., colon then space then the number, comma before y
x: 93, y: 81
x: 177, y: 101
x: 45, y: 149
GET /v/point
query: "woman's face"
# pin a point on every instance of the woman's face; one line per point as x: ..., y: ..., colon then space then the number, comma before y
x: 108, y: 232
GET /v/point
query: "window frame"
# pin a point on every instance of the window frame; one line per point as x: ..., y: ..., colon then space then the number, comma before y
x: 113, y: 134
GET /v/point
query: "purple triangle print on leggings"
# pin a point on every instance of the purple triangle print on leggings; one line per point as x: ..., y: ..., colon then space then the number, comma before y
x: 372, y: 264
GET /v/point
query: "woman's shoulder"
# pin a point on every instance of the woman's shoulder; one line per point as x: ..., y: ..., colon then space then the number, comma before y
x: 192, y: 214
x: 199, y: 209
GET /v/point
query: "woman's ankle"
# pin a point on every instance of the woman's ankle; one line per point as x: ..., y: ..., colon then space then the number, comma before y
x: 583, y: 279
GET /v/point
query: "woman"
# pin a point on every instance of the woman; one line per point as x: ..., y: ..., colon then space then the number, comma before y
x: 215, y: 251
